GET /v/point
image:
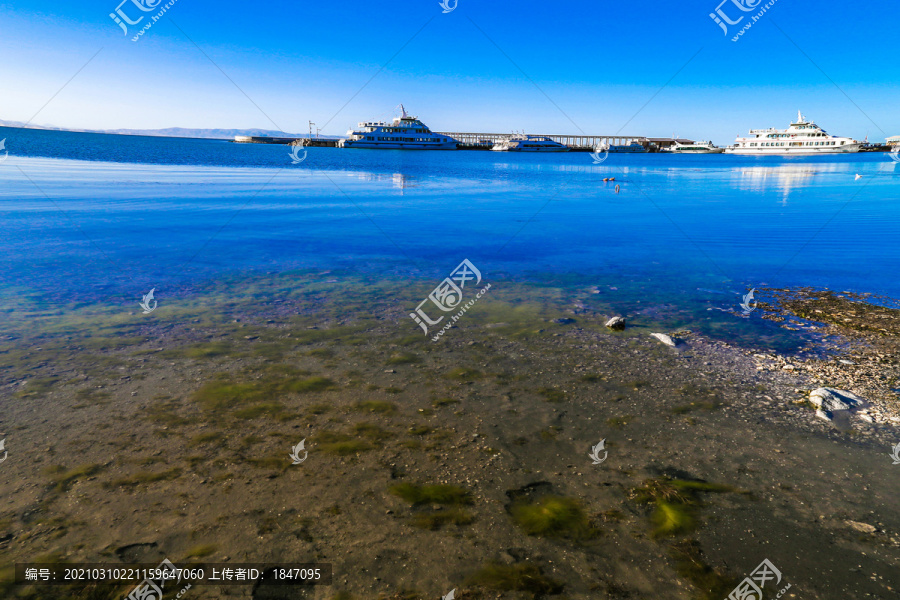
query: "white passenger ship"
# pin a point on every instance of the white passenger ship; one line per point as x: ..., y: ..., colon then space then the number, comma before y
x: 529, y: 143
x: 405, y: 133
x: 802, y: 137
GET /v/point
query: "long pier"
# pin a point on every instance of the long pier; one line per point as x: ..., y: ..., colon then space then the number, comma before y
x: 574, y: 142
x: 486, y: 141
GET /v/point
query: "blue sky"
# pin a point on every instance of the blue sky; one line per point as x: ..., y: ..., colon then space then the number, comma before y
x: 596, y: 64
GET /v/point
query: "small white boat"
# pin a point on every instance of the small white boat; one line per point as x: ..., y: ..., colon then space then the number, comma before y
x: 696, y: 148
x: 529, y: 143
x: 633, y: 147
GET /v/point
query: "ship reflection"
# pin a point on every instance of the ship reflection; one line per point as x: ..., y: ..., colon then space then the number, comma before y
x: 786, y: 178
x: 400, y: 181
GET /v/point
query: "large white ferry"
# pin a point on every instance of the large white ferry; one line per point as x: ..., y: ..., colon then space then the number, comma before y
x: 529, y: 143
x: 405, y: 133
x: 802, y: 137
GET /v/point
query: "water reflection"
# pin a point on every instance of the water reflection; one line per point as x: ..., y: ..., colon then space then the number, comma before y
x: 785, y: 178
x: 401, y: 181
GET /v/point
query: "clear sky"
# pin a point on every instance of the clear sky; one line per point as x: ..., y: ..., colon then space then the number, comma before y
x: 557, y: 66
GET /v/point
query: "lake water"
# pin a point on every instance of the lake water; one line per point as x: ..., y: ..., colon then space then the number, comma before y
x: 101, y: 216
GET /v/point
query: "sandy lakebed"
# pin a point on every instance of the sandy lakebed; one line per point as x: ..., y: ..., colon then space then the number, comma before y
x: 457, y: 465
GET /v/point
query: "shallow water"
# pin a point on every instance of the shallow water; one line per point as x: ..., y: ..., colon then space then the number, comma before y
x: 283, y: 300
x: 98, y: 217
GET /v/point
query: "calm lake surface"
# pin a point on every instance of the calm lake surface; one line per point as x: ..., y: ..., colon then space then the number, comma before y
x: 104, y: 217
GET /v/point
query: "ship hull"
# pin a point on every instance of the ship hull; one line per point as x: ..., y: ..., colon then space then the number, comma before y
x: 805, y: 151
x: 397, y: 145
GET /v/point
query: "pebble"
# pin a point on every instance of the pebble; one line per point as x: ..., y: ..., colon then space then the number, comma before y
x: 665, y: 339
x: 862, y: 527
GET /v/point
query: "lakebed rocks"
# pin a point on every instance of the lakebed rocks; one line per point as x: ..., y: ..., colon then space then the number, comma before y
x: 829, y: 400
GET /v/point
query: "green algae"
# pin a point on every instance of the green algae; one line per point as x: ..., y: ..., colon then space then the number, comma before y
x: 552, y: 395
x: 403, y: 358
x: 339, y: 444
x: 463, y: 374
x: 451, y: 495
x: 376, y: 406
x: 619, y: 422
x: 226, y: 392
x: 373, y: 432
x: 203, y: 350
x: 675, y: 503
x: 64, y: 478
x: 437, y: 519
x: 201, y: 551
x: 553, y: 516
x: 267, y: 409
x: 211, y: 437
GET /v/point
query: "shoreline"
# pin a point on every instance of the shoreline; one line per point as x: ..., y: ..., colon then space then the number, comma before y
x: 150, y: 425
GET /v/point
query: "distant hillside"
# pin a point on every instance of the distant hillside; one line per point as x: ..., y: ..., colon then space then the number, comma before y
x: 221, y: 134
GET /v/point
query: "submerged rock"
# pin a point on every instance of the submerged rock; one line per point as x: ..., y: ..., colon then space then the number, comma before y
x: 830, y: 399
x: 862, y: 527
x: 668, y: 341
x: 563, y: 321
x: 616, y: 323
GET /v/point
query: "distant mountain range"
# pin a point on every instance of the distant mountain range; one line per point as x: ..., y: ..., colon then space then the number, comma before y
x: 181, y: 132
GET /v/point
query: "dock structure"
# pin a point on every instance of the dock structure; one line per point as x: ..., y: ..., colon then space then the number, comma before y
x: 486, y: 141
x: 574, y: 142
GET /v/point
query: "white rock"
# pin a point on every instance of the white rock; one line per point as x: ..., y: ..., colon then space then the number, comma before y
x: 824, y: 414
x: 862, y: 527
x: 616, y: 323
x: 668, y: 341
x: 867, y: 418
x: 831, y: 399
